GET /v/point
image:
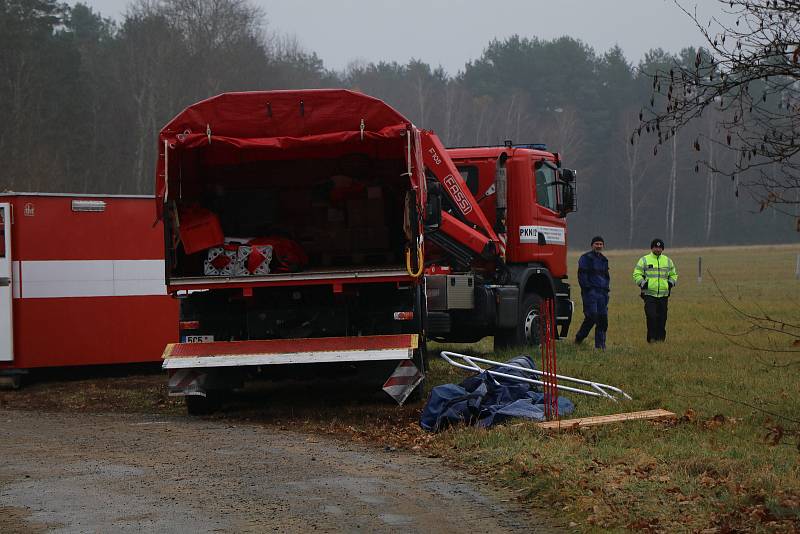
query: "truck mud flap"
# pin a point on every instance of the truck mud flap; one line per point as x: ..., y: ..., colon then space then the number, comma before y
x: 187, y: 382
x: 289, y: 351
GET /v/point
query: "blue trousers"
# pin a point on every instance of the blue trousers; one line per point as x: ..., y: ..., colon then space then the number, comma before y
x: 595, y: 314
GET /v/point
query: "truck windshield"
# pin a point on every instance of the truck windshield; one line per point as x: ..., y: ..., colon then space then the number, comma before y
x: 470, y: 175
x: 545, y: 185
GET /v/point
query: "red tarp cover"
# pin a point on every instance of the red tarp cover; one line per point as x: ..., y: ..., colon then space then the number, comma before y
x: 281, y: 125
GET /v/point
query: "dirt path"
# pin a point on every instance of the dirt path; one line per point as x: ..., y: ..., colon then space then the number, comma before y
x: 123, y: 473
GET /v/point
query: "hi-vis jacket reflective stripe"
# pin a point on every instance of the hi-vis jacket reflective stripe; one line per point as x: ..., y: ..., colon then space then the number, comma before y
x: 658, y: 271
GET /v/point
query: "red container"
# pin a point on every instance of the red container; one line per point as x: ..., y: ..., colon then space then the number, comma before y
x: 200, y: 229
x: 86, y: 282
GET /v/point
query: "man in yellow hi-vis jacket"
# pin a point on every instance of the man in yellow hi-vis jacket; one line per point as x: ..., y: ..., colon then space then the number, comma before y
x: 655, y: 275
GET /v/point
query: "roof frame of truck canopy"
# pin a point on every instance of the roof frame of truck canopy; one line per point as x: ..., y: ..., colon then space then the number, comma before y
x: 235, y: 128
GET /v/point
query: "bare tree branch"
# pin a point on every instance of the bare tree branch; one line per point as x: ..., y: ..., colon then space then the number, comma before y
x: 758, y: 323
x: 750, y: 74
x: 762, y: 410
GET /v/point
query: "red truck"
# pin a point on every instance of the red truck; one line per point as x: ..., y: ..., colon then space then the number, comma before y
x: 322, y: 226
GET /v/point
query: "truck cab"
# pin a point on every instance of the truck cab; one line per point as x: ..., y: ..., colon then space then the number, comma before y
x: 526, y: 194
x: 535, y: 204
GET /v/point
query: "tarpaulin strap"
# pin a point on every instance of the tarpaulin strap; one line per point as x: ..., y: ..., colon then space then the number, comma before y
x: 420, y: 260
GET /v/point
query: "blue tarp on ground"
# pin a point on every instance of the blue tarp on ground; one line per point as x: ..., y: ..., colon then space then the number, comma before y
x: 483, y: 400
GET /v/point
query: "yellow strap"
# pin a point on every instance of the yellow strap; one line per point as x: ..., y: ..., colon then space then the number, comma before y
x: 419, y: 258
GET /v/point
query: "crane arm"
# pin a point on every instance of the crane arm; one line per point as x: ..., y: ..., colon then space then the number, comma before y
x: 479, y: 233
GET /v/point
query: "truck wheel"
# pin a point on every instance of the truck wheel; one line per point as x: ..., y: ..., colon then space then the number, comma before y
x: 526, y: 334
x: 199, y: 405
x: 10, y: 382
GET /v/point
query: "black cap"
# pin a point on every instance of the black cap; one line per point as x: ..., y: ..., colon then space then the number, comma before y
x: 657, y: 243
x: 595, y: 239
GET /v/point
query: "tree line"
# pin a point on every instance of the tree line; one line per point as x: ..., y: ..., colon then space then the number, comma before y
x: 82, y: 98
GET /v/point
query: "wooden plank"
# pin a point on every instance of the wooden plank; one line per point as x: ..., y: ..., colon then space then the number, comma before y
x: 606, y: 419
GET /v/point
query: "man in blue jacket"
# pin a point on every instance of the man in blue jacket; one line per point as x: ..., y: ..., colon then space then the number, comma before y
x: 595, y: 284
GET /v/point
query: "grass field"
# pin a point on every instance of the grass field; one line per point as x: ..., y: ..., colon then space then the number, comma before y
x: 732, y: 460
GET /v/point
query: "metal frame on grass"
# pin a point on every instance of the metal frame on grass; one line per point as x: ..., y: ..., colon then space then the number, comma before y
x: 597, y: 389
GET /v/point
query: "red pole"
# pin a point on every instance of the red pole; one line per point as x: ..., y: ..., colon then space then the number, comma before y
x: 553, y: 368
x: 543, y: 348
x: 548, y: 347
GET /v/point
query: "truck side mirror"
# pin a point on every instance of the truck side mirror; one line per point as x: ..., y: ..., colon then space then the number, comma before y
x: 568, y: 199
x: 568, y: 175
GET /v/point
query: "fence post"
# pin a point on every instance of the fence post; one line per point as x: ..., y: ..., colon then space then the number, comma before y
x: 699, y: 269
x: 797, y: 268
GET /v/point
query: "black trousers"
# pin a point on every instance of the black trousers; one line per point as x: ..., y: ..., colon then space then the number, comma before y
x: 655, y: 309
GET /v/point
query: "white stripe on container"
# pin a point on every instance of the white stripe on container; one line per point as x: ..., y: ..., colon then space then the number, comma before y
x: 87, y: 278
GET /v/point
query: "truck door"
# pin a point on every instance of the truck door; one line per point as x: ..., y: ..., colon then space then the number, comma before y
x: 549, y: 223
x: 6, y: 330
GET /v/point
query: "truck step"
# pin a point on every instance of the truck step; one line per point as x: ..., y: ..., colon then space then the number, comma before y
x: 286, y: 351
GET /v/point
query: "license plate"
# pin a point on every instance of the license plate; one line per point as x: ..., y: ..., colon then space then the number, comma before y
x: 197, y: 339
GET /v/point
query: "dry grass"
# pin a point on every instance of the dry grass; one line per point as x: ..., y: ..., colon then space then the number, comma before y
x: 733, y: 458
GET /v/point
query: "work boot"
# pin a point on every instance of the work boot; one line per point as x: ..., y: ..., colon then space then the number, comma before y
x: 600, y: 339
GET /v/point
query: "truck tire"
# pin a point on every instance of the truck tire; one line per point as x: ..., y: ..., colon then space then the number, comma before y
x: 10, y: 382
x: 526, y: 333
x: 199, y: 405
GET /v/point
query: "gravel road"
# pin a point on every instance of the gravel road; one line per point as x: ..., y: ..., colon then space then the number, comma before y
x: 70, y: 472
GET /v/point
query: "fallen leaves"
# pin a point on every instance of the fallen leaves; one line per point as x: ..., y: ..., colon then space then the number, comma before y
x: 715, y: 422
x: 644, y: 524
x: 774, y: 434
x: 710, y: 479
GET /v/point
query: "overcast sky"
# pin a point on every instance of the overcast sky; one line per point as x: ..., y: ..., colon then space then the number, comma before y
x: 452, y: 32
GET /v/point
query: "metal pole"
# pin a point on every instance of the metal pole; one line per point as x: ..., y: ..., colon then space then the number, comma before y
x: 699, y: 269
x: 797, y: 268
